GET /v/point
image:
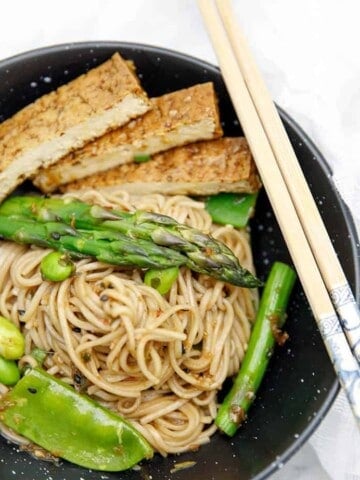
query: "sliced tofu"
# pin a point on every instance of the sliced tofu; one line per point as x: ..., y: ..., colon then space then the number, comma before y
x: 41, y: 133
x: 175, y: 119
x: 203, y: 168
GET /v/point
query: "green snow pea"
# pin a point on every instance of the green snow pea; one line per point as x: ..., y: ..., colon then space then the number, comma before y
x: 70, y: 425
x: 231, y: 208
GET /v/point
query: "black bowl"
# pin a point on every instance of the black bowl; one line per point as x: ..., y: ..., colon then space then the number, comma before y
x: 300, y: 384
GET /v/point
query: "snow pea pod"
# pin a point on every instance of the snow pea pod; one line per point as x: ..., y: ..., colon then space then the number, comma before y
x: 70, y: 425
x: 231, y: 208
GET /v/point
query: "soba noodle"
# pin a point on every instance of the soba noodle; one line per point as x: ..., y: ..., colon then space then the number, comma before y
x: 157, y: 360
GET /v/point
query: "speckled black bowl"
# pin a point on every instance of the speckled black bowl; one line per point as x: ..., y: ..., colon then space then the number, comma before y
x: 300, y: 384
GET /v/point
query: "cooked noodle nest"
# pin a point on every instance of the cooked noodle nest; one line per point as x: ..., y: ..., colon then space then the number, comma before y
x: 158, y: 360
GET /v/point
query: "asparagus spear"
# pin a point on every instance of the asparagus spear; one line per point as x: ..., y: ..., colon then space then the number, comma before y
x: 203, y: 253
x: 59, y: 236
x: 270, y: 318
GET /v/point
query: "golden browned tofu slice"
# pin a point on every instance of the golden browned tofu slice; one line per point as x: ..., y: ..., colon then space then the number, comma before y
x: 176, y: 118
x: 203, y: 168
x: 41, y: 133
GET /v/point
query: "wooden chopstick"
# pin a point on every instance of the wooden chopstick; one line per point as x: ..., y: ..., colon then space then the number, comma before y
x: 314, y: 228
x: 344, y: 362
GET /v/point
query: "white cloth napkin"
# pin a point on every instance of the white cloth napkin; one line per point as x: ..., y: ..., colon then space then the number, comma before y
x: 336, y: 431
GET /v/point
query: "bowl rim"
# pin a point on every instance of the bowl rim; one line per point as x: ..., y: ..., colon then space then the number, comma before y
x: 353, y: 239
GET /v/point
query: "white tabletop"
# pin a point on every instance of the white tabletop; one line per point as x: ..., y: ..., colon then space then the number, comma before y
x: 308, y: 51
